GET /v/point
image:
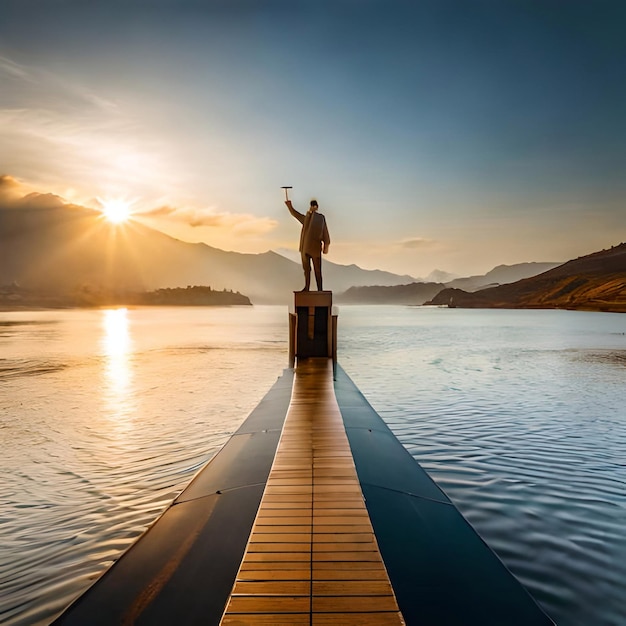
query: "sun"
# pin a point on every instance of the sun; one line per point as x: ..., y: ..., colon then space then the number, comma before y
x: 116, y: 211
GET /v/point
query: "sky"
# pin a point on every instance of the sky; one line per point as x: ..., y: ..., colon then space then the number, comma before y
x: 435, y: 134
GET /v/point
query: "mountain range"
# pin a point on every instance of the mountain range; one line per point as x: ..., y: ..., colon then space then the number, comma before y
x: 594, y: 282
x: 419, y: 292
x: 49, y: 246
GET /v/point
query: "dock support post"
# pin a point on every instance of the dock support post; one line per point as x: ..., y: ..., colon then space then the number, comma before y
x: 312, y: 326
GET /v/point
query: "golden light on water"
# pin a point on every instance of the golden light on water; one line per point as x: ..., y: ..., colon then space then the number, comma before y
x: 117, y: 349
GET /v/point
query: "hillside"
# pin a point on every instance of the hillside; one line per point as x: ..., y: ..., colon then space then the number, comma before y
x: 501, y: 275
x: 417, y: 293
x: 55, y: 248
x: 412, y: 294
x: 594, y: 282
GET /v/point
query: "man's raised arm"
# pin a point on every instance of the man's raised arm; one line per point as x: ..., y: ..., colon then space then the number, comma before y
x: 299, y: 216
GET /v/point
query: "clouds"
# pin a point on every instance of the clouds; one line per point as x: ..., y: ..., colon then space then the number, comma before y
x: 242, y: 224
x: 12, y: 69
x: 55, y: 129
x: 10, y: 189
x: 417, y: 243
x: 223, y: 225
x: 15, y: 195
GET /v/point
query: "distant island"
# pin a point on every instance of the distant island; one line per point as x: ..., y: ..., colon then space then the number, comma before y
x: 13, y: 297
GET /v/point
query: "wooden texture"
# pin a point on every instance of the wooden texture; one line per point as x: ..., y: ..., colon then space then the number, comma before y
x: 312, y: 557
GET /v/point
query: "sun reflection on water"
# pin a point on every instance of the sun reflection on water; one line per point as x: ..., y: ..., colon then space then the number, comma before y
x: 118, y: 374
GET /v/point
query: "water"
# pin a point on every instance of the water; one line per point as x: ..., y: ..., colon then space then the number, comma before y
x: 519, y: 415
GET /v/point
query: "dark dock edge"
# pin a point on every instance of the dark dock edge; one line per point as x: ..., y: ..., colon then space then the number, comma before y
x: 186, y: 562
x: 441, y: 569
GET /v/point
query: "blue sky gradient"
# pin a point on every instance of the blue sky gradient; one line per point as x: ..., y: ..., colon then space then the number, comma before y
x: 436, y: 134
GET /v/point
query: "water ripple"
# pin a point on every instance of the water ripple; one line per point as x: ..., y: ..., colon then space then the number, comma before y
x: 528, y: 439
x: 519, y: 417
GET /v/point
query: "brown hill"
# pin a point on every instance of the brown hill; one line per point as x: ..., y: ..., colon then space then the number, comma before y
x: 501, y: 275
x: 594, y: 282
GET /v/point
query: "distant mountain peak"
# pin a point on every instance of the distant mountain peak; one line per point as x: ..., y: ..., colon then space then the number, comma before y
x: 440, y: 276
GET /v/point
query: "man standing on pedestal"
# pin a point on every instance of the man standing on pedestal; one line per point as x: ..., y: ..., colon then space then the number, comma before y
x: 314, y: 240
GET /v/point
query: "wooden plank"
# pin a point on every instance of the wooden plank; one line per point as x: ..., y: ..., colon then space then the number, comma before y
x: 302, y: 557
x: 269, y: 619
x: 269, y: 499
x: 281, y: 547
x: 295, y: 512
x: 273, y: 574
x: 278, y: 528
x: 351, y: 588
x: 323, y: 566
x: 312, y: 552
x: 272, y: 604
x: 362, y: 619
x: 342, y: 546
x: 353, y: 604
x: 275, y: 588
x: 282, y: 537
x: 348, y: 520
x: 354, y: 489
x: 346, y: 556
x: 358, y: 496
x: 286, y: 520
x: 347, y: 528
x: 289, y: 504
x: 341, y: 512
x: 335, y: 504
x: 349, y: 537
x: 351, y: 574
x: 303, y: 489
x: 250, y: 566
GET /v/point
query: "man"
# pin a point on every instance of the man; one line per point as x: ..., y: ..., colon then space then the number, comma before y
x: 314, y: 240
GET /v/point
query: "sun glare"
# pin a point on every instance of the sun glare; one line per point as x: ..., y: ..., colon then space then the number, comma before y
x: 116, y: 211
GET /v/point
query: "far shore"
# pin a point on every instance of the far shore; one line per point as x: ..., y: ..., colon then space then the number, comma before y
x: 17, y: 299
x: 6, y: 307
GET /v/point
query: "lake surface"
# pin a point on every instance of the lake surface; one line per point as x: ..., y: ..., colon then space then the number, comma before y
x: 520, y: 416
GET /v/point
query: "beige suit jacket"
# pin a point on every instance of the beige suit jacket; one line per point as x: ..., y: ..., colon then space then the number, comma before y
x: 314, y: 231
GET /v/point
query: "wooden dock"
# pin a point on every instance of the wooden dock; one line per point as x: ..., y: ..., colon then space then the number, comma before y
x: 312, y: 557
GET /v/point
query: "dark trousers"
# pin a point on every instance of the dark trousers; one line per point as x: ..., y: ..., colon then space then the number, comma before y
x: 317, y: 267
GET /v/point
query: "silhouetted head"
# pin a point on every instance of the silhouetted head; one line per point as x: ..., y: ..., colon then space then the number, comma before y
x: 313, y: 206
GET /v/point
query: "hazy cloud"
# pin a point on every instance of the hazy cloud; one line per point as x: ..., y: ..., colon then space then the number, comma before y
x: 41, y: 201
x: 416, y: 243
x: 13, y: 69
x: 14, y: 193
x: 42, y: 85
x: 54, y: 128
x: 10, y: 188
x: 241, y: 223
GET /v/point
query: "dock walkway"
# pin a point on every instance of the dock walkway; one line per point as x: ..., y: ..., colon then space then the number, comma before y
x: 312, y: 556
x: 313, y: 512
